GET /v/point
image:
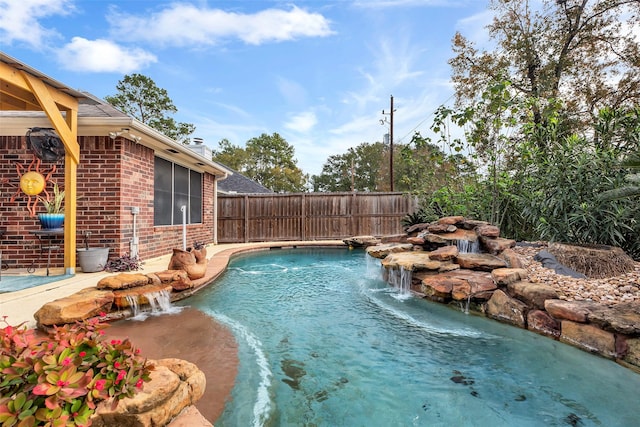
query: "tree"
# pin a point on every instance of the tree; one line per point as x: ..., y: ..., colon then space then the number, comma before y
x: 356, y: 170
x: 267, y: 159
x: 231, y: 155
x: 270, y: 161
x: 139, y: 97
x: 582, y: 51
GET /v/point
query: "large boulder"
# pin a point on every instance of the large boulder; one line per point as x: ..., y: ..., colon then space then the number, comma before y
x: 444, y: 253
x: 175, y: 385
x: 82, y: 305
x: 506, y: 309
x: 381, y: 251
x: 123, y: 281
x: 534, y: 294
x: 483, y: 262
x: 505, y: 276
x: 540, y: 322
x: 589, y: 338
x: 624, y: 318
x: 458, y: 285
x: 361, y: 241
x: 411, y: 261
x: 575, y: 311
x: 496, y: 245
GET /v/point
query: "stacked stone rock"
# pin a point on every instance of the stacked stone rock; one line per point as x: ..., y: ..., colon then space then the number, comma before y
x: 494, y: 283
x: 111, y: 297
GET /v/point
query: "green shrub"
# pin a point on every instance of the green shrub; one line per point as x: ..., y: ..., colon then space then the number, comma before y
x: 57, y: 380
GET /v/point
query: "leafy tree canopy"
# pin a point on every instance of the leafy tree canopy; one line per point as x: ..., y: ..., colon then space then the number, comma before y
x: 356, y: 170
x: 231, y: 155
x: 581, y: 51
x: 267, y: 159
x: 140, y: 97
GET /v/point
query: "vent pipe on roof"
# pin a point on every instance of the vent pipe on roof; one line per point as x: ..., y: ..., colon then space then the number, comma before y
x: 198, y: 141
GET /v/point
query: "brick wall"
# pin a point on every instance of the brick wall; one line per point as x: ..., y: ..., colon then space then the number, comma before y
x: 113, y: 176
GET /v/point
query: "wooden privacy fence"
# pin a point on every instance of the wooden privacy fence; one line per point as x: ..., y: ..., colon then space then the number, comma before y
x: 310, y: 216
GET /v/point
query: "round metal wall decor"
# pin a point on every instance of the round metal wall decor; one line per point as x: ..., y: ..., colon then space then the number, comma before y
x: 45, y: 144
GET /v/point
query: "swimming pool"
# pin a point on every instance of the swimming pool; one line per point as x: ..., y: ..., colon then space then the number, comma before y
x: 323, y: 341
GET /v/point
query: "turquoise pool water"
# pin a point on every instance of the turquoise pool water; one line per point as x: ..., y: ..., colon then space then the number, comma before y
x: 324, y: 341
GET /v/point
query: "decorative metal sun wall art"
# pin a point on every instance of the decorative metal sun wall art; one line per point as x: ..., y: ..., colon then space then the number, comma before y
x: 33, y: 180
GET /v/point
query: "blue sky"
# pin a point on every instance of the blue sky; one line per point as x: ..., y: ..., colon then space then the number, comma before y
x: 317, y: 72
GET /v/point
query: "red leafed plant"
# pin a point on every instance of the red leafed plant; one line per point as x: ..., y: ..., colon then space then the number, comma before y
x: 57, y: 380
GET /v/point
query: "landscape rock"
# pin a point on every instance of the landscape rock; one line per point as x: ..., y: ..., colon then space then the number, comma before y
x: 175, y: 385
x: 589, y: 338
x: 540, y: 322
x: 444, y: 253
x: 496, y: 245
x: 361, y: 241
x: 533, y: 294
x: 505, y: 276
x: 506, y: 309
x: 452, y: 237
x: 86, y: 303
x: 623, y: 319
x: 381, y: 251
x: 632, y: 352
x: 438, y: 228
x: 512, y: 258
x: 459, y: 285
x: 483, y: 262
x: 393, y: 238
x: 470, y: 224
x: 575, y: 311
x: 437, y: 288
x: 487, y: 230
x: 411, y: 261
x: 450, y: 220
x: 123, y: 281
x: 416, y: 228
x: 415, y: 240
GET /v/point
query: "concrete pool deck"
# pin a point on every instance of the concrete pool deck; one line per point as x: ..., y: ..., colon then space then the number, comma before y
x: 19, y: 306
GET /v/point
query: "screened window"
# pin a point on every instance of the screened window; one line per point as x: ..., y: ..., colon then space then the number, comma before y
x: 176, y: 186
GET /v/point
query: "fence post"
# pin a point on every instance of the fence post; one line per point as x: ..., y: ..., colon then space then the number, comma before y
x: 303, y: 217
x: 246, y: 219
x: 352, y: 220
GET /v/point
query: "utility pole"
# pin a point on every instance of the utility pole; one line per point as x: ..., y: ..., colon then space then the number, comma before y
x: 383, y: 122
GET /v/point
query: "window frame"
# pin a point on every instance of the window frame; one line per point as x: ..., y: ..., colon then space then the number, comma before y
x: 183, y: 186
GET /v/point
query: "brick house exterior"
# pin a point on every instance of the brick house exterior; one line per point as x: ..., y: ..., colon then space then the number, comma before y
x: 115, y: 173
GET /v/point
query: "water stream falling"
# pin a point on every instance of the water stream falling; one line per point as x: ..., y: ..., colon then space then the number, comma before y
x: 132, y: 300
x: 468, y: 246
x: 399, y: 278
x: 159, y: 303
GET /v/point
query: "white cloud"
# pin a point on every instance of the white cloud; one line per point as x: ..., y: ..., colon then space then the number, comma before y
x: 102, y: 56
x: 19, y: 20
x: 185, y: 24
x: 302, y: 122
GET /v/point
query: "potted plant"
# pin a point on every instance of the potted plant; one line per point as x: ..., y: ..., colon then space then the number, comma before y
x: 53, y: 218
